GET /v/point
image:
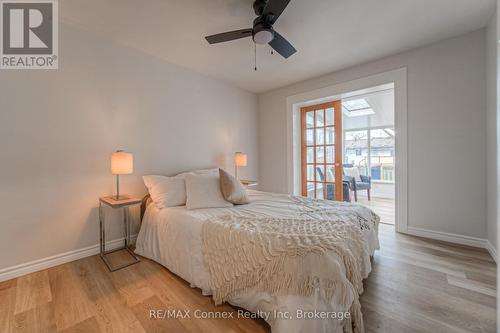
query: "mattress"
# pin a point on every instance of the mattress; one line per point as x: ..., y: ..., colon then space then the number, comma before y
x: 173, y: 237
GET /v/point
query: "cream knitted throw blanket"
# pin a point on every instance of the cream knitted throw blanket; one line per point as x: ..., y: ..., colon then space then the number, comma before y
x: 270, y: 254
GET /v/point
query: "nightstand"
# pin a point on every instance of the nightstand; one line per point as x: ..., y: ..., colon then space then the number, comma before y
x: 249, y: 183
x: 124, y: 204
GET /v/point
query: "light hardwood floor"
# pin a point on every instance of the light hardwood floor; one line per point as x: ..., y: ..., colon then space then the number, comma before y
x: 416, y: 285
x: 385, y: 208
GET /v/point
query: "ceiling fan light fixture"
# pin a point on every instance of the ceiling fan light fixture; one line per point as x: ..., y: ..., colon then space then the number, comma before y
x: 263, y: 37
x: 263, y: 33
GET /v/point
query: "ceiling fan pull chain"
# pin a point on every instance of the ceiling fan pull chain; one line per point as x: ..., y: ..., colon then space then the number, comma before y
x: 255, y: 55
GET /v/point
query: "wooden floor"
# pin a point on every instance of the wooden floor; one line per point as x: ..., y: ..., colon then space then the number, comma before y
x: 416, y: 285
x: 419, y: 285
x: 385, y: 208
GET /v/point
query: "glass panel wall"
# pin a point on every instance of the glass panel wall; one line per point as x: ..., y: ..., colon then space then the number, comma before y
x: 356, y: 150
x: 372, y: 151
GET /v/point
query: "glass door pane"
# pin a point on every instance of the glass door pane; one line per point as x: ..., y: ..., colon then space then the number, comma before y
x: 329, y: 117
x: 320, y: 118
x: 319, y: 191
x: 310, y: 190
x: 330, y: 173
x: 330, y: 135
x: 310, y: 119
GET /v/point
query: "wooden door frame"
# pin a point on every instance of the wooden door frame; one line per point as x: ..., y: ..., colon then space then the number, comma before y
x: 337, y: 106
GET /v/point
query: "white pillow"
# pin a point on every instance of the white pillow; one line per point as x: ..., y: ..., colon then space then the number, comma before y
x: 166, y: 191
x: 183, y: 175
x: 203, y: 191
x: 353, y: 172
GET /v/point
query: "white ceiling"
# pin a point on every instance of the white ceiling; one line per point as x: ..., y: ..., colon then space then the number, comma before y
x: 328, y: 34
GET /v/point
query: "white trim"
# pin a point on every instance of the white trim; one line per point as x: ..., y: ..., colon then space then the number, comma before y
x: 450, y: 238
x: 491, y: 249
x: 399, y: 78
x: 379, y: 181
x: 401, y: 165
x: 59, y: 259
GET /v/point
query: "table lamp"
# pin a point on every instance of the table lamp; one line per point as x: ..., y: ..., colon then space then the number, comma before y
x: 240, y: 159
x: 121, y: 164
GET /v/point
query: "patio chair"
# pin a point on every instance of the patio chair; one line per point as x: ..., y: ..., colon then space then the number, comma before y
x: 355, y: 186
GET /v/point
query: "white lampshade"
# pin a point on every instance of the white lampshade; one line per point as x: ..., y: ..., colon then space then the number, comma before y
x: 240, y: 159
x: 122, y: 163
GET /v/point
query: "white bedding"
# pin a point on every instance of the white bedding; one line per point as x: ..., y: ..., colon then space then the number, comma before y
x: 172, y: 237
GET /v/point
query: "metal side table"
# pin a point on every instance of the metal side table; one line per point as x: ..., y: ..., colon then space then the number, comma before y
x: 124, y: 204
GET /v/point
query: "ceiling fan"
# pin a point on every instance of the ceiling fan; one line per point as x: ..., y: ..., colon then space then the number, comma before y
x: 267, y: 12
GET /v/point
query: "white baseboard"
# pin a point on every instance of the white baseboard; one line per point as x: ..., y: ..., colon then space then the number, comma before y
x: 448, y: 237
x: 491, y: 249
x: 59, y: 259
x: 454, y: 238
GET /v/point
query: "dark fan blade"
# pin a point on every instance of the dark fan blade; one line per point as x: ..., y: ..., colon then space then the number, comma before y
x: 282, y: 46
x: 227, y: 36
x: 275, y: 8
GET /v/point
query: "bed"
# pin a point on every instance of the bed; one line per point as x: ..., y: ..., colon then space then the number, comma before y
x: 173, y: 237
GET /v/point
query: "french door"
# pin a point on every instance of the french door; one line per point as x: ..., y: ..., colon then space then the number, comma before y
x: 322, y: 151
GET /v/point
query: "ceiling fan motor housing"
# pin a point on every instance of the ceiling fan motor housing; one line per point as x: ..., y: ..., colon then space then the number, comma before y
x: 263, y: 32
x: 258, y: 6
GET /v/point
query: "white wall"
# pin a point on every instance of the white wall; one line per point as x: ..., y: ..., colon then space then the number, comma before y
x: 446, y: 132
x: 492, y: 133
x: 58, y: 129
